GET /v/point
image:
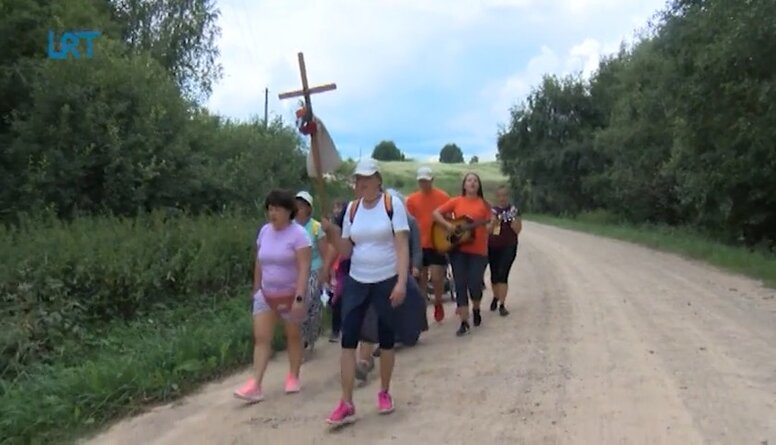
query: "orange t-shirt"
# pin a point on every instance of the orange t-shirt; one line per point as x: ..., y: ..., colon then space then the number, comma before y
x: 476, y: 209
x: 420, y: 205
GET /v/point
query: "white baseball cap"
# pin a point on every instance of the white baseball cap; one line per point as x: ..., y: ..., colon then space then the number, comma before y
x: 306, y: 197
x: 366, y: 167
x: 425, y: 173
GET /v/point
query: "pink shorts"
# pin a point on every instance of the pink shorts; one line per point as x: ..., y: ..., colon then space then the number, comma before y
x: 261, y: 305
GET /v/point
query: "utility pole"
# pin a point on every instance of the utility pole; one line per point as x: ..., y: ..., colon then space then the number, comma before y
x: 266, y: 102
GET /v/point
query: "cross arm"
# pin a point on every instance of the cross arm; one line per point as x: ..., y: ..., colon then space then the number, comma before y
x: 313, y: 90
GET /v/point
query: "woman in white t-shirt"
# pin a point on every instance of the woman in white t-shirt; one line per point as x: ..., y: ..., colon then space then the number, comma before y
x: 375, y: 237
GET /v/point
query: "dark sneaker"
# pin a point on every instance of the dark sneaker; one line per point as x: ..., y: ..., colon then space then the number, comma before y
x: 503, y: 311
x: 363, y: 368
x: 463, y: 329
x: 477, y: 317
x: 493, y: 305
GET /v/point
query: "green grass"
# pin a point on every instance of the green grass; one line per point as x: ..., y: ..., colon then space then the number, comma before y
x: 448, y: 177
x: 144, y: 362
x: 684, y: 241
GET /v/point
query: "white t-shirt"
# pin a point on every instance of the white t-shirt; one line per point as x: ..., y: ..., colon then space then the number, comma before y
x: 374, y: 253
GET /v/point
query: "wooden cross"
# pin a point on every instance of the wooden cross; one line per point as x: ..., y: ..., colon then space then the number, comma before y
x: 306, y: 92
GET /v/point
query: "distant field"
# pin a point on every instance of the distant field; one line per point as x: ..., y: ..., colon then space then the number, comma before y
x: 401, y: 175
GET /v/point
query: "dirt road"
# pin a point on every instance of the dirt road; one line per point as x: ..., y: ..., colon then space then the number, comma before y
x: 607, y: 343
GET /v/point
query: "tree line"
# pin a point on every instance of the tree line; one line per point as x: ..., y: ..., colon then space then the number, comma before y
x: 123, y: 202
x: 125, y: 132
x: 677, y: 129
x: 387, y: 150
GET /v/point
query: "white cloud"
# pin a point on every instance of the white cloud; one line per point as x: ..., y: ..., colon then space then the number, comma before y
x: 380, y: 50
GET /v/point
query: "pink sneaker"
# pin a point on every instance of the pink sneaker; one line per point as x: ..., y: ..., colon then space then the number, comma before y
x: 250, y: 392
x: 384, y: 402
x: 292, y: 384
x: 342, y: 414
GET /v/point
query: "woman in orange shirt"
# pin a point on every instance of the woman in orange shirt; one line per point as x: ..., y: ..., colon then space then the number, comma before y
x: 468, y: 260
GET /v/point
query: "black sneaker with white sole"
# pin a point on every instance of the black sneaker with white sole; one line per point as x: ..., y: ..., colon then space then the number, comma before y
x: 463, y: 329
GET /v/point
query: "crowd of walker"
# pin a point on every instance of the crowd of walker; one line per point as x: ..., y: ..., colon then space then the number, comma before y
x: 376, y: 254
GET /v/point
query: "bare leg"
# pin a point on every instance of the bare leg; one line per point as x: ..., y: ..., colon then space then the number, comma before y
x: 500, y: 291
x: 438, y: 281
x: 387, y: 360
x: 348, y: 373
x: 423, y: 280
x: 365, y: 350
x: 294, y: 347
x: 263, y: 327
x: 365, y: 361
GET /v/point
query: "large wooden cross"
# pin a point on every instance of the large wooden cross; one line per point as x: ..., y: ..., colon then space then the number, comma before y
x: 306, y: 92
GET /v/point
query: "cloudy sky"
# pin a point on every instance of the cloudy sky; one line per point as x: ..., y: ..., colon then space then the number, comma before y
x: 419, y: 72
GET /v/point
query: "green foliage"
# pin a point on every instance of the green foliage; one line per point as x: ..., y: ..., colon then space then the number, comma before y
x: 85, y: 304
x: 129, y: 368
x: 387, y: 151
x: 179, y: 34
x: 474, y: 160
x: 59, y: 280
x: 128, y: 213
x: 677, y: 129
x: 119, y: 132
x: 451, y: 154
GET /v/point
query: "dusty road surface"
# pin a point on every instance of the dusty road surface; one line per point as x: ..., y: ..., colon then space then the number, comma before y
x: 607, y: 343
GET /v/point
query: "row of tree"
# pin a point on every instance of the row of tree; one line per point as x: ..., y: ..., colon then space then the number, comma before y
x: 124, y: 132
x: 449, y: 154
x: 677, y: 129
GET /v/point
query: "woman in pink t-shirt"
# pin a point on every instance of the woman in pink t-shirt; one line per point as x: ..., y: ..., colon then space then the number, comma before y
x: 280, y: 280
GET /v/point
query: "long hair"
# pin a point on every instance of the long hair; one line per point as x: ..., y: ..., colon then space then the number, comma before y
x: 479, y: 189
x: 479, y: 184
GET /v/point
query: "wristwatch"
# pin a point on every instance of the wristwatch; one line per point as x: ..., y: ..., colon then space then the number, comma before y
x: 299, y: 298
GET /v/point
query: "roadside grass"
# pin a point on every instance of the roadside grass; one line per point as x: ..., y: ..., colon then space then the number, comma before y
x: 144, y: 362
x: 448, y: 177
x: 758, y: 264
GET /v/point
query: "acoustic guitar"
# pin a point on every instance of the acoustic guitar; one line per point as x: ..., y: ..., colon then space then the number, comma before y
x: 445, y: 241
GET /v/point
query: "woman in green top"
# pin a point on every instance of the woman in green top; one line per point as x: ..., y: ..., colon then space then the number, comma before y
x: 311, y: 328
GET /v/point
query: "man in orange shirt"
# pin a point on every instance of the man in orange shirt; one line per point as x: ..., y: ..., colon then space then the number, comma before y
x: 420, y: 204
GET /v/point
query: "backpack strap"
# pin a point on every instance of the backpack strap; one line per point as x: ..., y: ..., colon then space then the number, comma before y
x: 387, y: 198
x: 353, y: 207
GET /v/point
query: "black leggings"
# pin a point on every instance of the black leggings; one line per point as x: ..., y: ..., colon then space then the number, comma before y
x: 468, y: 269
x: 336, y: 316
x: 356, y: 300
x: 500, y: 260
